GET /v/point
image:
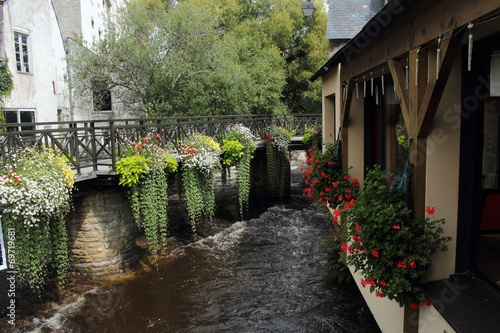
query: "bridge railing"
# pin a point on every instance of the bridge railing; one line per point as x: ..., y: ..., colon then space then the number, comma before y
x: 96, y: 145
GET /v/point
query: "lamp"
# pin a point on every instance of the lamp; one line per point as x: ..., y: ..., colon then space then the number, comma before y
x: 308, y: 10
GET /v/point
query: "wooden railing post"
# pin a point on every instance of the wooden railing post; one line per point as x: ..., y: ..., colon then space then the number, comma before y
x: 113, y: 144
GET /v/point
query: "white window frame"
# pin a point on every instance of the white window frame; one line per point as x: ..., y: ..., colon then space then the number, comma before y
x: 23, y: 63
x: 18, y: 115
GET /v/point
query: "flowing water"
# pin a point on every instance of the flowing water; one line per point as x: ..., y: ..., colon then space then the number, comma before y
x: 260, y: 275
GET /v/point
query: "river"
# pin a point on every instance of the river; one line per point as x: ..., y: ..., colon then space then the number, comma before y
x: 260, y: 275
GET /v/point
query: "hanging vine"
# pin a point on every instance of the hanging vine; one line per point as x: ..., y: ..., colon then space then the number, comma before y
x: 144, y: 169
x: 278, y: 159
x: 34, y: 201
x: 238, y: 149
x: 200, y: 157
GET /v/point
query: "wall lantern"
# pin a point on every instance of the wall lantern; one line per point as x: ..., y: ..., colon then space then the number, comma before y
x: 308, y: 10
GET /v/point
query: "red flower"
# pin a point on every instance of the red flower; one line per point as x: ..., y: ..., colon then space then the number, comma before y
x: 347, y: 177
x: 379, y: 293
x: 307, y: 192
x: 330, y: 162
x: 426, y: 303
x: 336, y: 215
x: 355, y: 182
x: 335, y: 184
x: 383, y: 283
x: 412, y: 263
x: 414, y: 306
x: 430, y: 210
x: 327, y: 189
x: 348, y: 190
x: 158, y: 136
x: 358, y: 227
x: 340, y: 197
x: 401, y: 264
x: 367, y: 281
x: 396, y: 227
x: 375, y: 253
x: 330, y: 135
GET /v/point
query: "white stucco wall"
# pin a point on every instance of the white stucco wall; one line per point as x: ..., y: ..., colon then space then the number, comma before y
x: 44, y: 88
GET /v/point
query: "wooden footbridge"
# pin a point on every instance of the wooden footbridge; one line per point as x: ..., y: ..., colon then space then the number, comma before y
x: 94, y: 146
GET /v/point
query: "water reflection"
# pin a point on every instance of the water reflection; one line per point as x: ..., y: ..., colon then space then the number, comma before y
x: 262, y: 275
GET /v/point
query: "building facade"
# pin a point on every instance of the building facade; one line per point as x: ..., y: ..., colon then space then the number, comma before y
x: 430, y: 71
x: 37, y: 36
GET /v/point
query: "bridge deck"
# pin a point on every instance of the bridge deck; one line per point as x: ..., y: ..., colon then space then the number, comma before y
x: 93, y: 147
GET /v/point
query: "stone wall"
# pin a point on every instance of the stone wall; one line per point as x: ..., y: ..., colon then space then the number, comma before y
x: 101, y: 234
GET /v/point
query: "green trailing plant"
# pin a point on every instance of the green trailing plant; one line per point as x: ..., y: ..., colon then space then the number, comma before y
x: 143, y: 169
x: 200, y: 156
x: 35, y: 198
x: 278, y: 159
x: 390, y: 248
x: 238, y: 149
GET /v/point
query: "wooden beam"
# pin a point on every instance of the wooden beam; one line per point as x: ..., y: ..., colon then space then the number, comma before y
x: 344, y: 117
x: 418, y: 23
x: 450, y: 47
x: 399, y: 77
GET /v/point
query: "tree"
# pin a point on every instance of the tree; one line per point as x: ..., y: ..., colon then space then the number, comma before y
x: 199, y: 57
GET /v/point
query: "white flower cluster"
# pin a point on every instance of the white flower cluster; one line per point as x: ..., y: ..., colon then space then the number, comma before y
x: 34, y: 197
x: 281, y: 143
x: 279, y: 138
x: 243, y: 131
x: 201, y: 152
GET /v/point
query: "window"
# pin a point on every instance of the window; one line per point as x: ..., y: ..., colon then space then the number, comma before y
x: 102, y: 100
x: 13, y: 116
x: 385, y: 131
x: 478, y: 237
x: 21, y: 49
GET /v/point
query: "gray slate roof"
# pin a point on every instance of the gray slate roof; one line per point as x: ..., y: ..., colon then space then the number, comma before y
x: 347, y: 17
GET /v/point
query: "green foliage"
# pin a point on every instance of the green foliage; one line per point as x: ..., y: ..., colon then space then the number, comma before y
x: 313, y: 137
x: 278, y: 159
x: 144, y: 170
x: 207, y: 57
x: 6, y: 82
x: 35, y: 199
x: 200, y: 157
x: 243, y: 143
x: 149, y: 206
x: 326, y: 182
x: 131, y: 168
x: 232, y: 150
x: 390, y: 249
x: 338, y: 272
